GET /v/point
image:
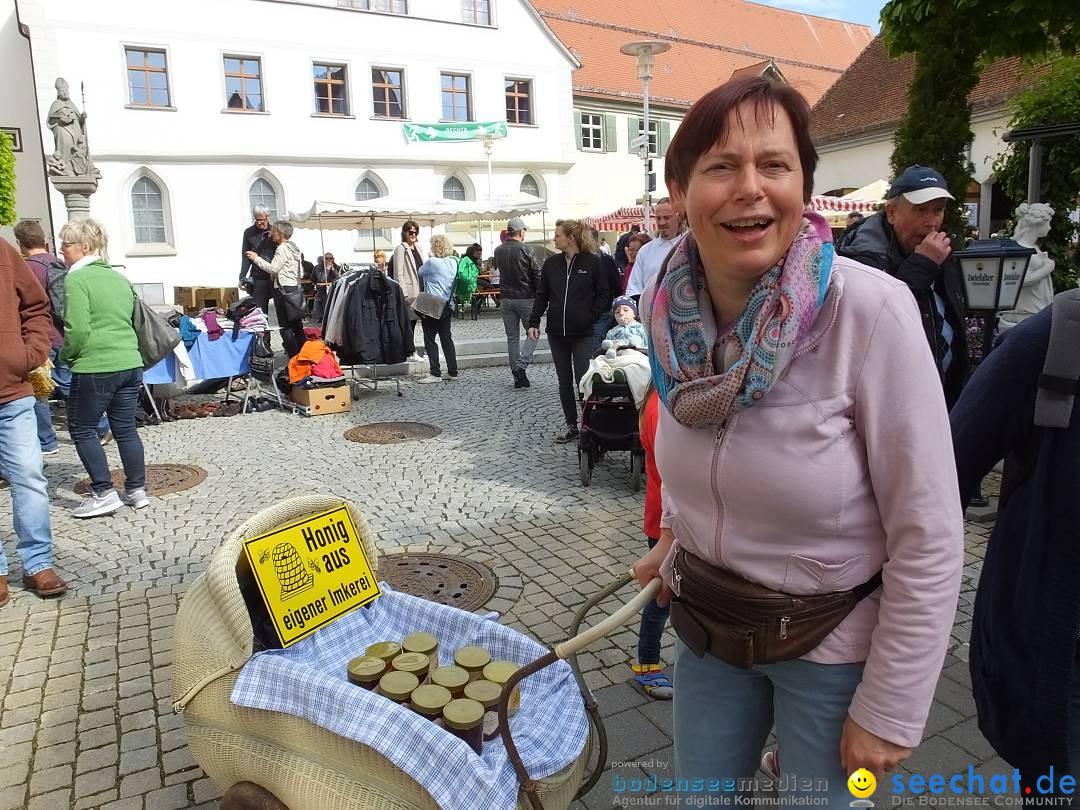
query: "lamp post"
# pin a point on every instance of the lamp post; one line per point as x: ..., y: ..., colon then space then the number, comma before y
x: 993, y: 271
x: 645, y: 51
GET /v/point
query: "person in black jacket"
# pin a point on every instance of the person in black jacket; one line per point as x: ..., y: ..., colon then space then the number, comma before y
x: 905, y: 240
x: 518, y: 274
x: 573, y: 292
x: 1024, y: 670
x: 254, y: 280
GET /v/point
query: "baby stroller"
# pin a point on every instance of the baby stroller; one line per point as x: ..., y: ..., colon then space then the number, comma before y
x: 609, y: 421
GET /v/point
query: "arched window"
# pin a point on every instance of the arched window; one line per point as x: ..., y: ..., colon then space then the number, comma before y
x: 453, y: 189
x: 148, y: 212
x: 366, y: 189
x: 529, y: 186
x: 262, y: 193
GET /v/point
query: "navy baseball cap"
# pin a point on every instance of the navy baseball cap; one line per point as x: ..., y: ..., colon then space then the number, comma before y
x: 918, y: 185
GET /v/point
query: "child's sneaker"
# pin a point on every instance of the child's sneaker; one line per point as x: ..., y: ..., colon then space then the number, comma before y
x: 653, y: 681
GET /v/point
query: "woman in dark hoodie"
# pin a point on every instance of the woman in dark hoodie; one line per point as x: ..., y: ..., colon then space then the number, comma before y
x: 573, y: 292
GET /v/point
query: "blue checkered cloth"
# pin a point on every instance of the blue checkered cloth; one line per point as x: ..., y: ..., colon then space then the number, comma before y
x: 309, y: 680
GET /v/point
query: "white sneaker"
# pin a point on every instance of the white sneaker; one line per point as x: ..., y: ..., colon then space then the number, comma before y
x: 430, y: 378
x: 414, y: 358
x: 136, y: 499
x: 95, y: 505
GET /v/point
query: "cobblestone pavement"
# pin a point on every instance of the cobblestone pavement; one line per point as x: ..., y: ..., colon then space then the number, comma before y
x: 86, y: 718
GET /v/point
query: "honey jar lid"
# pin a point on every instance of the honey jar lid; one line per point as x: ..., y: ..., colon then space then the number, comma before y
x: 500, y: 671
x: 484, y: 692
x: 384, y: 650
x: 425, y: 643
x: 430, y: 698
x: 463, y: 714
x: 472, y: 658
x: 366, y: 668
x: 410, y: 662
x: 398, y: 685
x: 450, y: 677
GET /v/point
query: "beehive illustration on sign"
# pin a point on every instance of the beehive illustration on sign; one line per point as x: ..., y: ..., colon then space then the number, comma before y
x: 291, y: 574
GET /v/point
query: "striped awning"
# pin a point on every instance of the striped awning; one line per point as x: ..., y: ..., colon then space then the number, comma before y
x: 620, y: 220
x: 822, y: 203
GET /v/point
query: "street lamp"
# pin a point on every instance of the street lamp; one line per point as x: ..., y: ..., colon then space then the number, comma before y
x: 993, y: 271
x: 645, y: 51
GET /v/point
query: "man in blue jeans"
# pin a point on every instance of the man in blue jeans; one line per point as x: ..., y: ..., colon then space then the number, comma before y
x: 32, y: 243
x: 24, y: 345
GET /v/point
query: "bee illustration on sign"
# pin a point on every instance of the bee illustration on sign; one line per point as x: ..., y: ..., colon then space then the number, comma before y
x: 291, y: 574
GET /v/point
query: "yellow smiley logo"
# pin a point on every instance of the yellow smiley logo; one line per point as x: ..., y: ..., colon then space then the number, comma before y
x: 861, y: 783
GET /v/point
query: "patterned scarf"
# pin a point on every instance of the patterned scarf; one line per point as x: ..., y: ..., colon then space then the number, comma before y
x: 683, y: 335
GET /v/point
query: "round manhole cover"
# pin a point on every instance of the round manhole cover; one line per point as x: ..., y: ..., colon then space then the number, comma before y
x: 442, y: 578
x: 391, y: 432
x: 161, y: 479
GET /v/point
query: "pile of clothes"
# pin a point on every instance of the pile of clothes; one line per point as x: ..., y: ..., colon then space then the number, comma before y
x: 315, y: 363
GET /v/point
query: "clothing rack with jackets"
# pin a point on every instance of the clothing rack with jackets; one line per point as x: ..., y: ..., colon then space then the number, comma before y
x: 366, y: 321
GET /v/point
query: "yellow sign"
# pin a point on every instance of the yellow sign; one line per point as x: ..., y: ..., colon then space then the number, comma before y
x: 861, y: 783
x: 311, y: 572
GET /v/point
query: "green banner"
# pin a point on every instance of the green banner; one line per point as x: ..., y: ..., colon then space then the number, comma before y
x: 465, y: 131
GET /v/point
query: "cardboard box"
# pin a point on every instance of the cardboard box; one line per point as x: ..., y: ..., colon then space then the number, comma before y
x: 195, y: 299
x: 319, y: 401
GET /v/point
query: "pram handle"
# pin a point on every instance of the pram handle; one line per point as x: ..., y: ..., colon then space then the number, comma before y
x: 568, y: 650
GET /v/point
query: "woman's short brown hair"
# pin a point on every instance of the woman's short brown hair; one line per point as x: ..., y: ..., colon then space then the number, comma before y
x: 707, y: 125
x: 639, y: 239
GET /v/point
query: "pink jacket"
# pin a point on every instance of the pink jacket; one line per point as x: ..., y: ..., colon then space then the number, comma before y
x: 845, y: 468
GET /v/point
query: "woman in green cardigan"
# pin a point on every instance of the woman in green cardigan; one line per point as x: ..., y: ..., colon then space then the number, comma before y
x: 102, y: 350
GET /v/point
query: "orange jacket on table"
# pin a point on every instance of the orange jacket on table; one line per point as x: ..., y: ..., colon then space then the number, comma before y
x: 314, y: 360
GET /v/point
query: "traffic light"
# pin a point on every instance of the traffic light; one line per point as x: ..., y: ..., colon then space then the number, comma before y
x: 650, y: 174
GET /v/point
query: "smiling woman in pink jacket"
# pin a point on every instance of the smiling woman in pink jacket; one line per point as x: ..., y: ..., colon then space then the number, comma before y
x: 813, y: 538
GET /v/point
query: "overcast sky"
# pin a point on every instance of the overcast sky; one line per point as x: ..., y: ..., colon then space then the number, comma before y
x: 860, y: 11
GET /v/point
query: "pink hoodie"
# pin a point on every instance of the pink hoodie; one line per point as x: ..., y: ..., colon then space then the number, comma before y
x: 845, y: 468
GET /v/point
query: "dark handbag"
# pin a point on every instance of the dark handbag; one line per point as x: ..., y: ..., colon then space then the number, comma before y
x: 156, y: 338
x: 743, y: 623
x: 295, y: 304
x: 429, y: 304
x: 262, y: 356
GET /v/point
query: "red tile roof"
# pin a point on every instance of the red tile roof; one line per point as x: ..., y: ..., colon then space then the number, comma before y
x: 710, y: 39
x: 871, y: 96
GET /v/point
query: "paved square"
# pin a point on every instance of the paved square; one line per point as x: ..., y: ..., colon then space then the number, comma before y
x: 86, y: 719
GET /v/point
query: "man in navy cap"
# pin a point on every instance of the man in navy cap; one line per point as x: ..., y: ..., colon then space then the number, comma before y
x: 906, y: 241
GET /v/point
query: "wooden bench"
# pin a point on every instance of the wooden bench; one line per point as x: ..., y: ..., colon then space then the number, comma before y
x: 479, y: 297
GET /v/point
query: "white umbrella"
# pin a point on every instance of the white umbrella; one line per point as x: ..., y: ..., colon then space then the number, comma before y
x: 388, y: 212
x: 874, y: 191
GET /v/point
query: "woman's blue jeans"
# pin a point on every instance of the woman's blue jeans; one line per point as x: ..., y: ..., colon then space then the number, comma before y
x: 722, y: 716
x: 651, y: 630
x: 115, y: 393
x: 61, y: 376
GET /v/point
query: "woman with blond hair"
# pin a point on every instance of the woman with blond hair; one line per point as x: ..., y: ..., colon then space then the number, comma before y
x: 102, y: 350
x: 573, y: 291
x: 379, y: 257
x: 437, y: 275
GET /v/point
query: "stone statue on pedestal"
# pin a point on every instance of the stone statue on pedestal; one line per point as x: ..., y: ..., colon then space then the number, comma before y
x: 70, y: 167
x: 1033, y: 223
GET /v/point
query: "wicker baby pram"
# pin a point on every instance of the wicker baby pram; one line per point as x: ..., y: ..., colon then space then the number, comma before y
x: 302, y: 764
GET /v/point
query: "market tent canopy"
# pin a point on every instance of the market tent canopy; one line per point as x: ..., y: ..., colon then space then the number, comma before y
x: 388, y: 212
x: 822, y: 204
x: 620, y: 220
x: 874, y: 191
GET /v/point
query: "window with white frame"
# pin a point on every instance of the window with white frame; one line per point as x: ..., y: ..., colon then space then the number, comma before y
x: 592, y: 132
x: 331, y: 89
x: 453, y: 189
x: 387, y: 6
x: 243, y: 83
x: 456, y: 97
x: 148, y: 212
x: 148, y: 78
x: 654, y: 135
x: 518, y: 101
x: 368, y: 189
x: 529, y: 186
x: 388, y: 92
x: 477, y: 12
x: 263, y: 193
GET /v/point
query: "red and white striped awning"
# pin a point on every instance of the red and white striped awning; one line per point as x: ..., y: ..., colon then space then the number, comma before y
x: 620, y: 220
x: 822, y: 203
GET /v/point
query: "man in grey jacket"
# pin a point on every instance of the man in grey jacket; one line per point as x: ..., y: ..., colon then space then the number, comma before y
x: 518, y: 279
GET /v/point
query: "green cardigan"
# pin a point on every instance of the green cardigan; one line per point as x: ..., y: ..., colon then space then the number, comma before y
x: 98, y: 335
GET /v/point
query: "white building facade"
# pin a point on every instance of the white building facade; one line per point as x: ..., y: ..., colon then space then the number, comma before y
x: 197, y: 112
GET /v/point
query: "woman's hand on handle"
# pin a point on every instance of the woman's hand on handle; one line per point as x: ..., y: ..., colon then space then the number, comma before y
x: 861, y: 749
x: 648, y: 567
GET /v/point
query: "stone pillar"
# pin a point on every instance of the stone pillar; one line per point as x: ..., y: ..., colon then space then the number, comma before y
x: 76, y: 191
